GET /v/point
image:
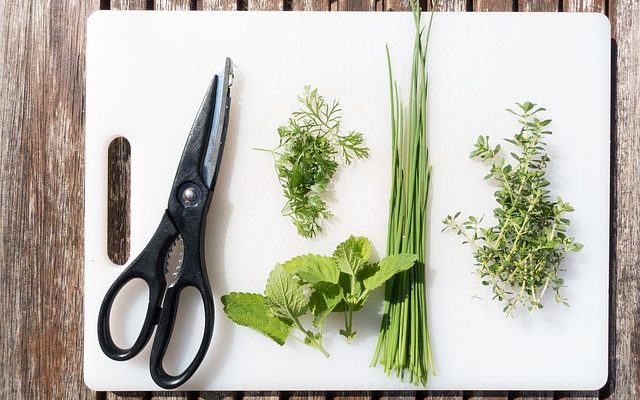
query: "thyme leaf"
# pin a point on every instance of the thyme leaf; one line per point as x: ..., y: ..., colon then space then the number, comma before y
x: 520, y: 256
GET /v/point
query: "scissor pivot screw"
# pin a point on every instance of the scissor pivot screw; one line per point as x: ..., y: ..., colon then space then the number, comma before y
x: 190, y: 195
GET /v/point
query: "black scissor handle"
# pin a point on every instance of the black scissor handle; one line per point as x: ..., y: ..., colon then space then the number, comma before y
x: 194, y: 278
x: 148, y: 266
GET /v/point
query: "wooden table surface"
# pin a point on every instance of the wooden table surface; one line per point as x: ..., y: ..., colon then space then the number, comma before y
x: 42, y: 43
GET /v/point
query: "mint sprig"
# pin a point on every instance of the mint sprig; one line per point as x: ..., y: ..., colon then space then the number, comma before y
x: 316, y: 285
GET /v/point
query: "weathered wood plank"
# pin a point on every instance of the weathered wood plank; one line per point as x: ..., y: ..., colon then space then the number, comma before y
x: 128, y: 4
x: 301, y: 395
x: 538, y: 5
x: 440, y: 395
x: 612, y: 12
x: 41, y: 201
x: 398, y: 395
x: 41, y: 186
x: 486, y: 395
x: 354, y: 395
x: 218, y: 5
x: 530, y: 395
x: 266, y: 5
x: 177, y: 5
x: 397, y: 5
x: 586, y: 395
x: 624, y: 375
x: 118, y: 200
x: 261, y: 396
x: 310, y: 5
x: 583, y: 5
x: 128, y: 396
x: 493, y: 5
x: 216, y: 396
x: 356, y: 5
x: 173, y: 395
x: 451, y: 5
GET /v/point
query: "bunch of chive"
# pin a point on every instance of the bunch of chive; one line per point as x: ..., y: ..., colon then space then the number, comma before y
x: 403, y: 342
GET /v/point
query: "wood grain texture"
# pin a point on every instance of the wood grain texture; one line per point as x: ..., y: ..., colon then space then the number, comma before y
x: 539, y: 5
x: 583, y: 5
x: 397, y: 5
x: 612, y: 13
x: 485, y: 395
x: 218, y: 5
x: 265, y: 5
x: 179, y: 395
x: 587, y: 395
x: 302, y: 395
x: 537, y: 395
x: 311, y: 5
x: 439, y: 395
x: 41, y: 81
x: 118, y: 200
x: 175, y: 5
x: 452, y: 5
x: 127, y: 396
x: 41, y: 187
x: 217, y: 396
x: 261, y: 396
x: 493, y: 5
x: 398, y: 395
x: 129, y: 4
x: 356, y: 5
x: 41, y: 198
x: 361, y: 395
x: 625, y: 236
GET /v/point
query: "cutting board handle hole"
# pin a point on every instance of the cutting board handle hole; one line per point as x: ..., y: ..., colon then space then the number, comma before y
x: 119, y: 200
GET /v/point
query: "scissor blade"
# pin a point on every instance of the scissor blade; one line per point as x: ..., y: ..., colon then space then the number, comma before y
x: 203, y: 149
x: 218, y: 134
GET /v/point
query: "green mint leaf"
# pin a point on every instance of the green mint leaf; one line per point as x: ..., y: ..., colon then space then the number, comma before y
x: 325, y: 297
x: 251, y: 310
x: 312, y: 268
x: 284, y: 295
x: 388, y: 267
x: 352, y: 255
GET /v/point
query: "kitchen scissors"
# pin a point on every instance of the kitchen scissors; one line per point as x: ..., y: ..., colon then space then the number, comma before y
x: 183, y: 220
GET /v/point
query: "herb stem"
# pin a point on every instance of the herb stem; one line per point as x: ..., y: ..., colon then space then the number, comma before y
x: 311, y: 339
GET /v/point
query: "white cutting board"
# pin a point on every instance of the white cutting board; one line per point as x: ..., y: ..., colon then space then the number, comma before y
x: 146, y: 76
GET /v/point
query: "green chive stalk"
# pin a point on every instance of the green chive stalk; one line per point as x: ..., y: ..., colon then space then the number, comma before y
x: 403, y: 343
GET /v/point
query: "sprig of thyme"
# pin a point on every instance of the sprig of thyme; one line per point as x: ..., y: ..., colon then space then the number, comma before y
x: 520, y: 256
x: 307, y: 158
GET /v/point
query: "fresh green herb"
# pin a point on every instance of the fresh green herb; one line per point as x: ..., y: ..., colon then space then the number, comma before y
x: 342, y: 282
x: 520, y: 256
x: 403, y: 342
x: 307, y: 158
